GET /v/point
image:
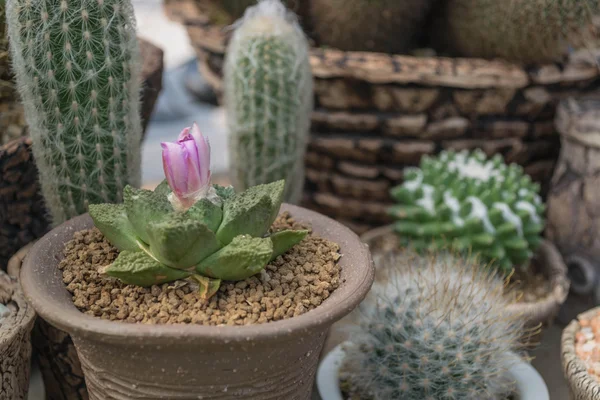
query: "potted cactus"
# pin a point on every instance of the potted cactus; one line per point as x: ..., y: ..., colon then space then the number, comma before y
x: 16, y: 322
x: 193, y: 290
x: 471, y: 203
x: 439, y: 329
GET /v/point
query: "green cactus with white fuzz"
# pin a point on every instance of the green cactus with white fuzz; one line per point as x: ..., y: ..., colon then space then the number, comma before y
x: 78, y: 71
x: 268, y: 99
x: 225, y: 238
x: 440, y: 329
x: 527, y: 31
x: 470, y: 203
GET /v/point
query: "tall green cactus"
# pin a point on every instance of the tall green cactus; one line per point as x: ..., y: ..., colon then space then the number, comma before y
x: 78, y: 72
x: 528, y: 31
x: 268, y: 97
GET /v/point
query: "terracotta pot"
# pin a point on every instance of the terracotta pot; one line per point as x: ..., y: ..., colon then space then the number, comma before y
x: 15, y: 342
x: 582, y: 385
x: 377, y: 113
x: 54, y: 351
x: 276, y: 360
x: 528, y: 382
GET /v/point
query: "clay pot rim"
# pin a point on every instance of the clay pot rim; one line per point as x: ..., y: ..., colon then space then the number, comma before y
x: 555, y: 271
x: 579, y: 380
x: 24, y: 317
x: 42, y: 282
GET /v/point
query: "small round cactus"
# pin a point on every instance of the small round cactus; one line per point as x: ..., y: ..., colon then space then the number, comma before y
x: 439, y: 330
x: 470, y: 203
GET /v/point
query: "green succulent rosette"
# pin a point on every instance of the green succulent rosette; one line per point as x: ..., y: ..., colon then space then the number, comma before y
x: 223, y: 237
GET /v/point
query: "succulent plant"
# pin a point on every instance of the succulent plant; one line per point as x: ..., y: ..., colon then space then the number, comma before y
x: 439, y: 329
x: 188, y: 228
x: 388, y: 26
x: 78, y: 72
x: 268, y: 98
x: 470, y: 203
x: 528, y: 31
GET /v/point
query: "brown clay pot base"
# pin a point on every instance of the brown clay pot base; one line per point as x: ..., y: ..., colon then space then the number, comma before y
x: 276, y: 360
x: 291, y: 285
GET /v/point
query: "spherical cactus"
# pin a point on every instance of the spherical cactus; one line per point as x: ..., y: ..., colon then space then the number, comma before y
x: 439, y: 330
x: 268, y: 98
x: 528, y: 31
x: 77, y: 67
x: 389, y: 26
x: 470, y: 203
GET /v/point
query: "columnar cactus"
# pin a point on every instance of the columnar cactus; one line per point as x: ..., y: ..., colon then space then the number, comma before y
x: 268, y: 98
x: 529, y: 31
x: 471, y: 203
x: 440, y: 329
x: 188, y: 228
x: 389, y: 26
x: 77, y: 67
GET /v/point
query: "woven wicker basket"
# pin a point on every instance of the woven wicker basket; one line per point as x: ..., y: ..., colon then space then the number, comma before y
x: 22, y: 210
x: 377, y: 113
x: 582, y: 386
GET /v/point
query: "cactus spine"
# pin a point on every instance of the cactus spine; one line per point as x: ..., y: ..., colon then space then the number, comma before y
x: 439, y: 330
x: 268, y: 98
x: 528, y: 31
x: 389, y: 26
x: 77, y: 67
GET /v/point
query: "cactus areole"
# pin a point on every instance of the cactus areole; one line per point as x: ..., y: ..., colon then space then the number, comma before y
x: 470, y: 203
x: 188, y: 228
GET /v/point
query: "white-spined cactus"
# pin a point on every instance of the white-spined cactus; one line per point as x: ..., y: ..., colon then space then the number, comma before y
x: 470, y: 203
x: 188, y: 228
x: 268, y: 98
x: 78, y: 66
x: 440, y: 329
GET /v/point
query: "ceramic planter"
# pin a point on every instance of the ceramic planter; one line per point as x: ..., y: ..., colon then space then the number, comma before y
x: 15, y: 341
x: 582, y: 386
x: 276, y: 360
x: 529, y: 383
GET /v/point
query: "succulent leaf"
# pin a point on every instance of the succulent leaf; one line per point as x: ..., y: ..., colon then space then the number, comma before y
x: 224, y: 192
x: 137, y: 268
x: 243, y: 257
x: 181, y: 242
x: 206, y: 212
x: 285, y: 240
x: 111, y: 220
x: 144, y: 206
x: 251, y: 212
x: 208, y: 287
x: 163, y: 188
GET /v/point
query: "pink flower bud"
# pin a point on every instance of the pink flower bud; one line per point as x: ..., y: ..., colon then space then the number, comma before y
x: 187, y: 167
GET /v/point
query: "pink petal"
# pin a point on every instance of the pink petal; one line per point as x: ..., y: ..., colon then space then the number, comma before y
x: 203, y: 152
x: 175, y: 167
x: 193, y: 166
x: 184, y: 134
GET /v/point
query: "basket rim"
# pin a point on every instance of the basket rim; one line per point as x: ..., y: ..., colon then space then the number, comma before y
x: 381, y: 68
x: 549, y: 259
x: 579, y: 380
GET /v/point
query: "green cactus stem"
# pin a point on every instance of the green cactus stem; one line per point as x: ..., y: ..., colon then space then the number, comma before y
x: 527, y: 31
x: 439, y: 329
x: 212, y: 241
x: 78, y: 71
x: 268, y: 98
x: 470, y: 203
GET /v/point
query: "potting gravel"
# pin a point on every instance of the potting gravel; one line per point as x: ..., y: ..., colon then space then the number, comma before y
x: 587, y: 344
x: 291, y: 285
